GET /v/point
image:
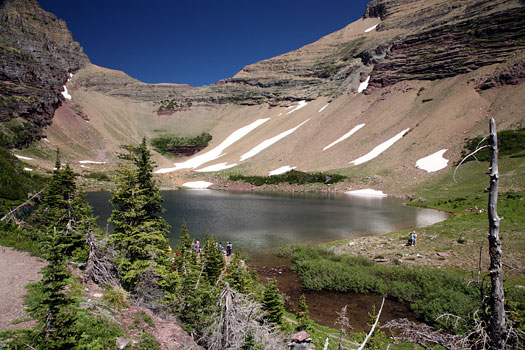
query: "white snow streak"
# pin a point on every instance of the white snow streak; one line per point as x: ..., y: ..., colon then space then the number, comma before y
x: 322, y: 109
x: 433, y: 162
x: 216, y: 167
x: 298, y: 107
x: 281, y: 170
x: 197, y: 185
x: 371, y: 28
x: 90, y: 162
x: 46, y: 140
x: 24, y: 158
x: 28, y: 169
x: 345, y: 136
x: 379, y: 149
x: 367, y: 192
x: 217, y: 151
x: 362, y: 87
x: 66, y: 94
x: 267, y: 143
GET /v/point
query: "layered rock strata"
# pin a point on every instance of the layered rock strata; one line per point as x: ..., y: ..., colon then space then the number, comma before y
x: 38, y: 53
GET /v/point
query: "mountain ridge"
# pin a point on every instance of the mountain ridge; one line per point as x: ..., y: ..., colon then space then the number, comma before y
x: 381, y: 55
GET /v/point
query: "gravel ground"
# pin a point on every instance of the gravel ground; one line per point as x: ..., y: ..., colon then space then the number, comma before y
x: 17, y: 269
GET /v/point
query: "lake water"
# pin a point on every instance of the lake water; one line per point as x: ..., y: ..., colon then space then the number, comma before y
x: 256, y: 222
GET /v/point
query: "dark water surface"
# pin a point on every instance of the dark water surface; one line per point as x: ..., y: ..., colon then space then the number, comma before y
x: 258, y: 222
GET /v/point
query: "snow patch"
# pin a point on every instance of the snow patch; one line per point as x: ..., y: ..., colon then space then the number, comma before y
x: 217, y: 151
x: 322, y: 109
x: 362, y: 87
x: 85, y: 167
x: 298, y: 107
x: 267, y: 143
x: 433, y: 162
x: 28, y: 169
x: 216, y: 167
x: 371, y: 28
x: 90, y: 162
x: 45, y: 139
x: 367, y: 192
x: 70, y: 75
x: 345, y: 136
x: 379, y: 149
x: 66, y: 94
x: 23, y: 158
x: 281, y: 170
x: 197, y: 185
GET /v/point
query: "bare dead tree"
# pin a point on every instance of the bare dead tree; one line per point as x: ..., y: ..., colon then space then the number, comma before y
x: 373, y: 326
x: 12, y: 214
x: 238, y: 317
x: 344, y: 322
x: 424, y: 335
x: 99, y: 267
x: 497, y: 329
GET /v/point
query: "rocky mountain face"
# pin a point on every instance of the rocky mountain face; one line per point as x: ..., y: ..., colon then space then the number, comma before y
x: 38, y: 53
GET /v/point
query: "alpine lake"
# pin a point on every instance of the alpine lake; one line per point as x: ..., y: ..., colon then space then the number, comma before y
x: 257, y: 224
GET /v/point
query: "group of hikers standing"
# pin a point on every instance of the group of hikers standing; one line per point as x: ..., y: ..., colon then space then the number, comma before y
x: 227, y: 251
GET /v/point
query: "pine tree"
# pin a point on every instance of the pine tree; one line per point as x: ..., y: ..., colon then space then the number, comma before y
x: 183, y: 252
x: 64, y: 207
x: 54, y: 310
x: 140, y: 235
x: 240, y: 278
x: 213, y: 259
x: 273, y: 302
x: 303, y: 315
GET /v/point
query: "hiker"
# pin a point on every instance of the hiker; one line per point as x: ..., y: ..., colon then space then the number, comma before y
x: 228, y: 249
x: 412, y: 239
x: 197, y: 247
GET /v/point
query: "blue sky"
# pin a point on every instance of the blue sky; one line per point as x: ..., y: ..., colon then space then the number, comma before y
x: 197, y: 42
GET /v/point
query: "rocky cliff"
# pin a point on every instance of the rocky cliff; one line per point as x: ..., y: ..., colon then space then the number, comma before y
x: 38, y: 53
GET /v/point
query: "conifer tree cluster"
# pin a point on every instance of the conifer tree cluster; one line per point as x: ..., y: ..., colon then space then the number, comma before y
x: 273, y: 302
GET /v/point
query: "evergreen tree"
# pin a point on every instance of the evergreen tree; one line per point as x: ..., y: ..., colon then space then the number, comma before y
x: 54, y: 310
x: 140, y: 235
x: 213, y: 259
x: 273, y: 302
x: 64, y: 207
x: 183, y: 252
x: 303, y: 315
x: 240, y: 278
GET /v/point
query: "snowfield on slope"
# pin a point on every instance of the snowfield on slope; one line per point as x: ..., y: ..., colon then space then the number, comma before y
x: 345, y: 136
x: 216, y: 152
x: 281, y: 170
x: 267, y: 143
x: 371, y: 28
x: 367, y: 192
x: 379, y: 149
x: 433, y: 162
x: 216, y: 167
x: 197, y: 185
x: 362, y: 87
x: 298, y: 107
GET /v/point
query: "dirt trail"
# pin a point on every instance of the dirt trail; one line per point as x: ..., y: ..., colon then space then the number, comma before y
x: 17, y: 269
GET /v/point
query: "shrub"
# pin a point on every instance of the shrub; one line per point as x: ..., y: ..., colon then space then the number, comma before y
x: 510, y: 143
x: 116, y: 297
x: 291, y: 177
x: 172, y: 143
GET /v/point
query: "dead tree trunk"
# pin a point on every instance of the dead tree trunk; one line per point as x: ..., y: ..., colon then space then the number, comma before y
x: 497, y: 329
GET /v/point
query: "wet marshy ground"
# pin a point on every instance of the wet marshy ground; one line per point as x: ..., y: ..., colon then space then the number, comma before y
x: 324, y: 305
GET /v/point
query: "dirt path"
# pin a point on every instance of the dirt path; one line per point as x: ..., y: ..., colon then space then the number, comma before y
x: 17, y: 269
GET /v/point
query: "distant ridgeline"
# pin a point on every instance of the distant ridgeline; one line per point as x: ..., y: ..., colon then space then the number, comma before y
x: 180, y: 145
x: 510, y: 143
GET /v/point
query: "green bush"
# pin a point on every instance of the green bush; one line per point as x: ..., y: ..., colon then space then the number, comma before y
x: 170, y: 143
x: 430, y: 292
x: 291, y: 177
x: 510, y: 143
x: 116, y: 297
